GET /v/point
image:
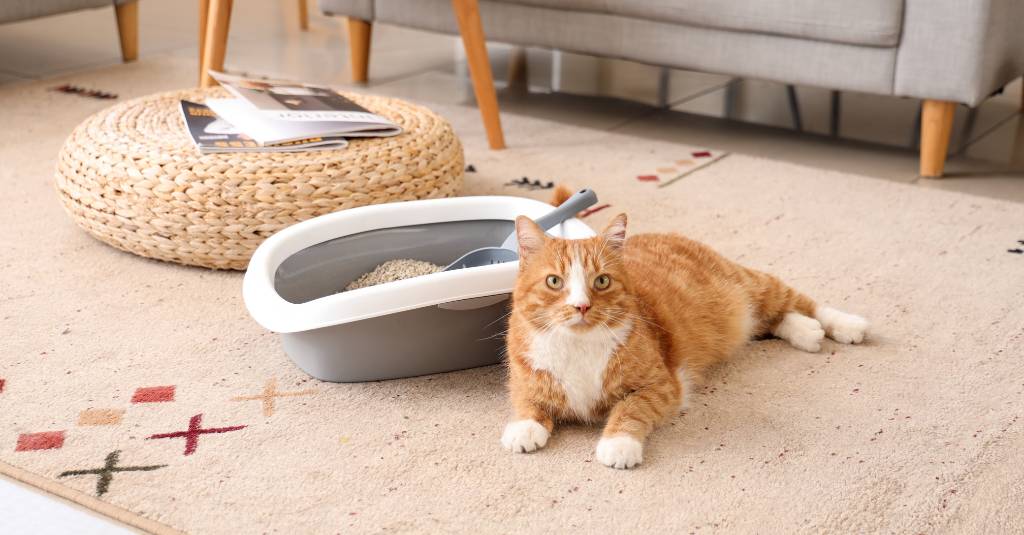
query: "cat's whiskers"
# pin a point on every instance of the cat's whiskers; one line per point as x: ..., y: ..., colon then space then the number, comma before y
x: 496, y: 335
x: 503, y: 316
x: 549, y: 325
x: 500, y: 333
x: 614, y: 336
x: 626, y: 317
x: 626, y: 314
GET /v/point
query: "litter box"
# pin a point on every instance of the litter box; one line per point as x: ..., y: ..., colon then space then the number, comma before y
x: 429, y: 324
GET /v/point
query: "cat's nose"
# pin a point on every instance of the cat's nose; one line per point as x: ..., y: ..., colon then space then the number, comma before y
x: 583, y: 308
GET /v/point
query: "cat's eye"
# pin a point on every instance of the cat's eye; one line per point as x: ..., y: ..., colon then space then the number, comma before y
x: 602, y: 282
x: 554, y: 282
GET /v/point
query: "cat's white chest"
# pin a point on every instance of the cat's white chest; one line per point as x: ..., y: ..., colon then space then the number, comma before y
x: 578, y: 362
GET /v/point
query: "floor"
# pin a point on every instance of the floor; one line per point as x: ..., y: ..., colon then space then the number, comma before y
x: 26, y: 510
x: 872, y: 136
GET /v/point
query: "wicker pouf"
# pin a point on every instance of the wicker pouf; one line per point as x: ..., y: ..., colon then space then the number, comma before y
x: 131, y: 177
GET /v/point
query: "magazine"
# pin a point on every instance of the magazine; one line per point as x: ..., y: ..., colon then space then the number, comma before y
x: 273, y: 112
x: 212, y: 134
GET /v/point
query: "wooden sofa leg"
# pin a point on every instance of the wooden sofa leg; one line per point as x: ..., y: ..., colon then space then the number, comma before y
x: 517, y: 76
x: 936, y: 125
x: 467, y: 14
x: 128, y: 29
x: 303, y: 15
x: 359, y: 32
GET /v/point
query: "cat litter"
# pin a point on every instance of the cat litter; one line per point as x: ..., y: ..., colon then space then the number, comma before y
x: 429, y: 323
x: 394, y: 270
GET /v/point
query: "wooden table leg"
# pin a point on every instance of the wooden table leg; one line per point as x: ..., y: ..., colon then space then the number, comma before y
x: 216, y: 40
x: 467, y: 14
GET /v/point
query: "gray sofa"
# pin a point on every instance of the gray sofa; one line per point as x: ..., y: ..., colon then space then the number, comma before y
x: 941, y: 51
x: 126, y: 11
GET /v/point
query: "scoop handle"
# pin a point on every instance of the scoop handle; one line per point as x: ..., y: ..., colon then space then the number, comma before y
x: 580, y: 200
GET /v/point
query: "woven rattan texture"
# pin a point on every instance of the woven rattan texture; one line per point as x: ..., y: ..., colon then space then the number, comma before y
x: 131, y: 177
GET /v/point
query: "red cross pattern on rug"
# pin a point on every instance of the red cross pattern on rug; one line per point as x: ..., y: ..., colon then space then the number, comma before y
x: 195, y: 429
x: 592, y: 210
x: 270, y: 393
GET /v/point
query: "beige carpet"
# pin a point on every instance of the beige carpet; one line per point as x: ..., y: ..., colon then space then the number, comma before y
x: 916, y: 431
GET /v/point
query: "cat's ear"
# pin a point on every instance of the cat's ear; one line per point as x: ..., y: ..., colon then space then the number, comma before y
x: 530, y: 236
x: 615, y: 233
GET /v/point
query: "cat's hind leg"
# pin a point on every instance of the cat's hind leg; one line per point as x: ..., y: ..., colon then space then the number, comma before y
x: 786, y: 314
x: 802, y: 332
x: 796, y: 318
x: 806, y: 333
x: 840, y: 326
x: 803, y: 323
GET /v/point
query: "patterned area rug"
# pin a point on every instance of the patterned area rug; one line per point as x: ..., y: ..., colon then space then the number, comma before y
x: 143, y: 389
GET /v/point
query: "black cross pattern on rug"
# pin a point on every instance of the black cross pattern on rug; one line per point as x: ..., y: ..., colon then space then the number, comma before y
x: 110, y: 467
x: 1018, y: 250
x: 525, y: 183
x: 85, y: 92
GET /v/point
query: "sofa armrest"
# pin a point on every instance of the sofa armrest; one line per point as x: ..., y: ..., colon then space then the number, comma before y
x: 959, y: 50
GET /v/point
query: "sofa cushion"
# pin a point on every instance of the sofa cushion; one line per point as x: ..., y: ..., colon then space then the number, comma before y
x: 861, y: 22
x: 746, y: 54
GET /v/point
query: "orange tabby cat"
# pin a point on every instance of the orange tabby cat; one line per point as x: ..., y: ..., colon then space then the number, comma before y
x: 617, y: 328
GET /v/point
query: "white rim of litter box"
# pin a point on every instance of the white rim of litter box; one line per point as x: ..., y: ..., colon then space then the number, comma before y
x: 273, y: 312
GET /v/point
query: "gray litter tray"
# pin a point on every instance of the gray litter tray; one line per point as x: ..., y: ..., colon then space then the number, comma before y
x: 435, y: 323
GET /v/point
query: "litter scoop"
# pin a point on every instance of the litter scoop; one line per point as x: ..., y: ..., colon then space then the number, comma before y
x: 508, y: 251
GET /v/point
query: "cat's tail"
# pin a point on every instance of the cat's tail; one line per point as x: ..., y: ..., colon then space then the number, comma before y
x: 560, y: 195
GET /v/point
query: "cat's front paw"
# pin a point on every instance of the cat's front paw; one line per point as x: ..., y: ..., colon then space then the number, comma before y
x: 621, y: 452
x: 524, y: 436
